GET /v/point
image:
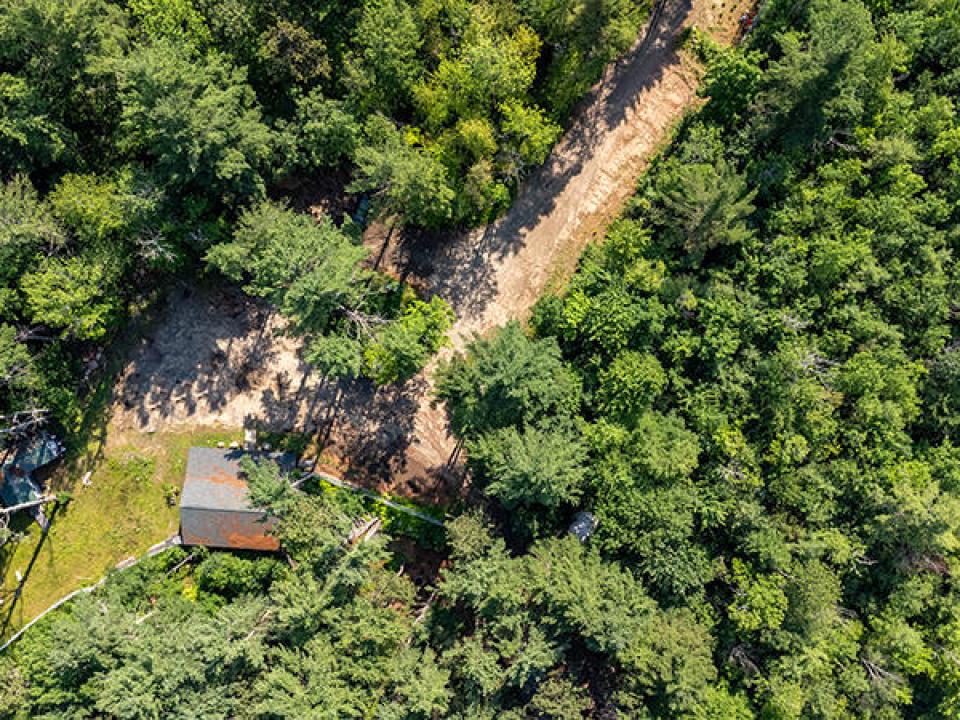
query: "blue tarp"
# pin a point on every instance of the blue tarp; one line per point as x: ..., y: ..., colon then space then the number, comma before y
x: 18, y: 484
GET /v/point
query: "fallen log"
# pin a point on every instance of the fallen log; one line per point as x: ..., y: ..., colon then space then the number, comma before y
x: 42, y: 500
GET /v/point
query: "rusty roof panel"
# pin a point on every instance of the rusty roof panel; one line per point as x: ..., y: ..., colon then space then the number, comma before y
x: 236, y: 531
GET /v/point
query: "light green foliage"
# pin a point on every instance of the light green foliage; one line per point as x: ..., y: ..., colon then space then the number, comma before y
x: 308, y: 269
x: 630, y: 383
x: 475, y: 137
x: 172, y: 19
x: 477, y: 104
x: 97, y: 209
x: 665, y: 449
x: 404, y: 345
x: 75, y: 296
x: 531, y: 132
x: 489, y: 70
x: 731, y: 83
x: 583, y: 37
x: 758, y: 603
x: 420, y: 687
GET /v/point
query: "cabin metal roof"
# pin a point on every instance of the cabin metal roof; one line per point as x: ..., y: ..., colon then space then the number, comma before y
x: 215, y: 506
x: 214, y: 480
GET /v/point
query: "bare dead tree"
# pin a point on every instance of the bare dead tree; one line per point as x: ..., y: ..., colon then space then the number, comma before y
x: 21, y: 422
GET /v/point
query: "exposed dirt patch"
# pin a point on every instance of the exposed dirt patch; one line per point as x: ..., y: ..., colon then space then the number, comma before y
x: 421, y: 565
x: 217, y: 357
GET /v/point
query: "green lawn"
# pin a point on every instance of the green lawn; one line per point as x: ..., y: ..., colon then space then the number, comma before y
x: 123, y: 513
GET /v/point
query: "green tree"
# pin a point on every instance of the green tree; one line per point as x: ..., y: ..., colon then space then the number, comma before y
x: 97, y: 209
x: 531, y: 133
x: 57, y: 103
x: 557, y: 698
x: 943, y: 393
x: 505, y: 380
x: 404, y: 345
x: 17, y: 371
x: 325, y: 132
x: 337, y: 355
x: 707, y: 207
x: 759, y: 603
x: 630, y: 383
x: 731, y: 84
x: 309, y: 269
x: 539, y: 466
x: 385, y: 62
x: 490, y: 69
x: 27, y: 229
x: 29, y: 137
x: 289, y: 56
x: 405, y: 181
x: 195, y: 120
x: 825, y: 79
x: 230, y: 576
x: 75, y: 295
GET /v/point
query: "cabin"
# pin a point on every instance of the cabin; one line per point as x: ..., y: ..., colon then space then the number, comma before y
x: 214, y: 506
x: 23, y: 473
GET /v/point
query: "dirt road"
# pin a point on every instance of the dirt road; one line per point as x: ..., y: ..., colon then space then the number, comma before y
x: 217, y: 359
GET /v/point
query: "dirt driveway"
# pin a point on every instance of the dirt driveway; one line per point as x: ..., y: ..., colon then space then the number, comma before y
x: 218, y: 358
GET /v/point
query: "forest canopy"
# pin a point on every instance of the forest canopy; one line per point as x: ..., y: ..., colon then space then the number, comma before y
x: 752, y: 384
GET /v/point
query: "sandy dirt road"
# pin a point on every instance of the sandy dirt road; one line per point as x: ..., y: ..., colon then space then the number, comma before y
x: 218, y: 358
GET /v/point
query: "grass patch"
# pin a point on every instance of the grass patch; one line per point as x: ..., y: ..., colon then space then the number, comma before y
x: 432, y: 537
x: 294, y: 442
x: 123, y: 512
x: 395, y: 522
